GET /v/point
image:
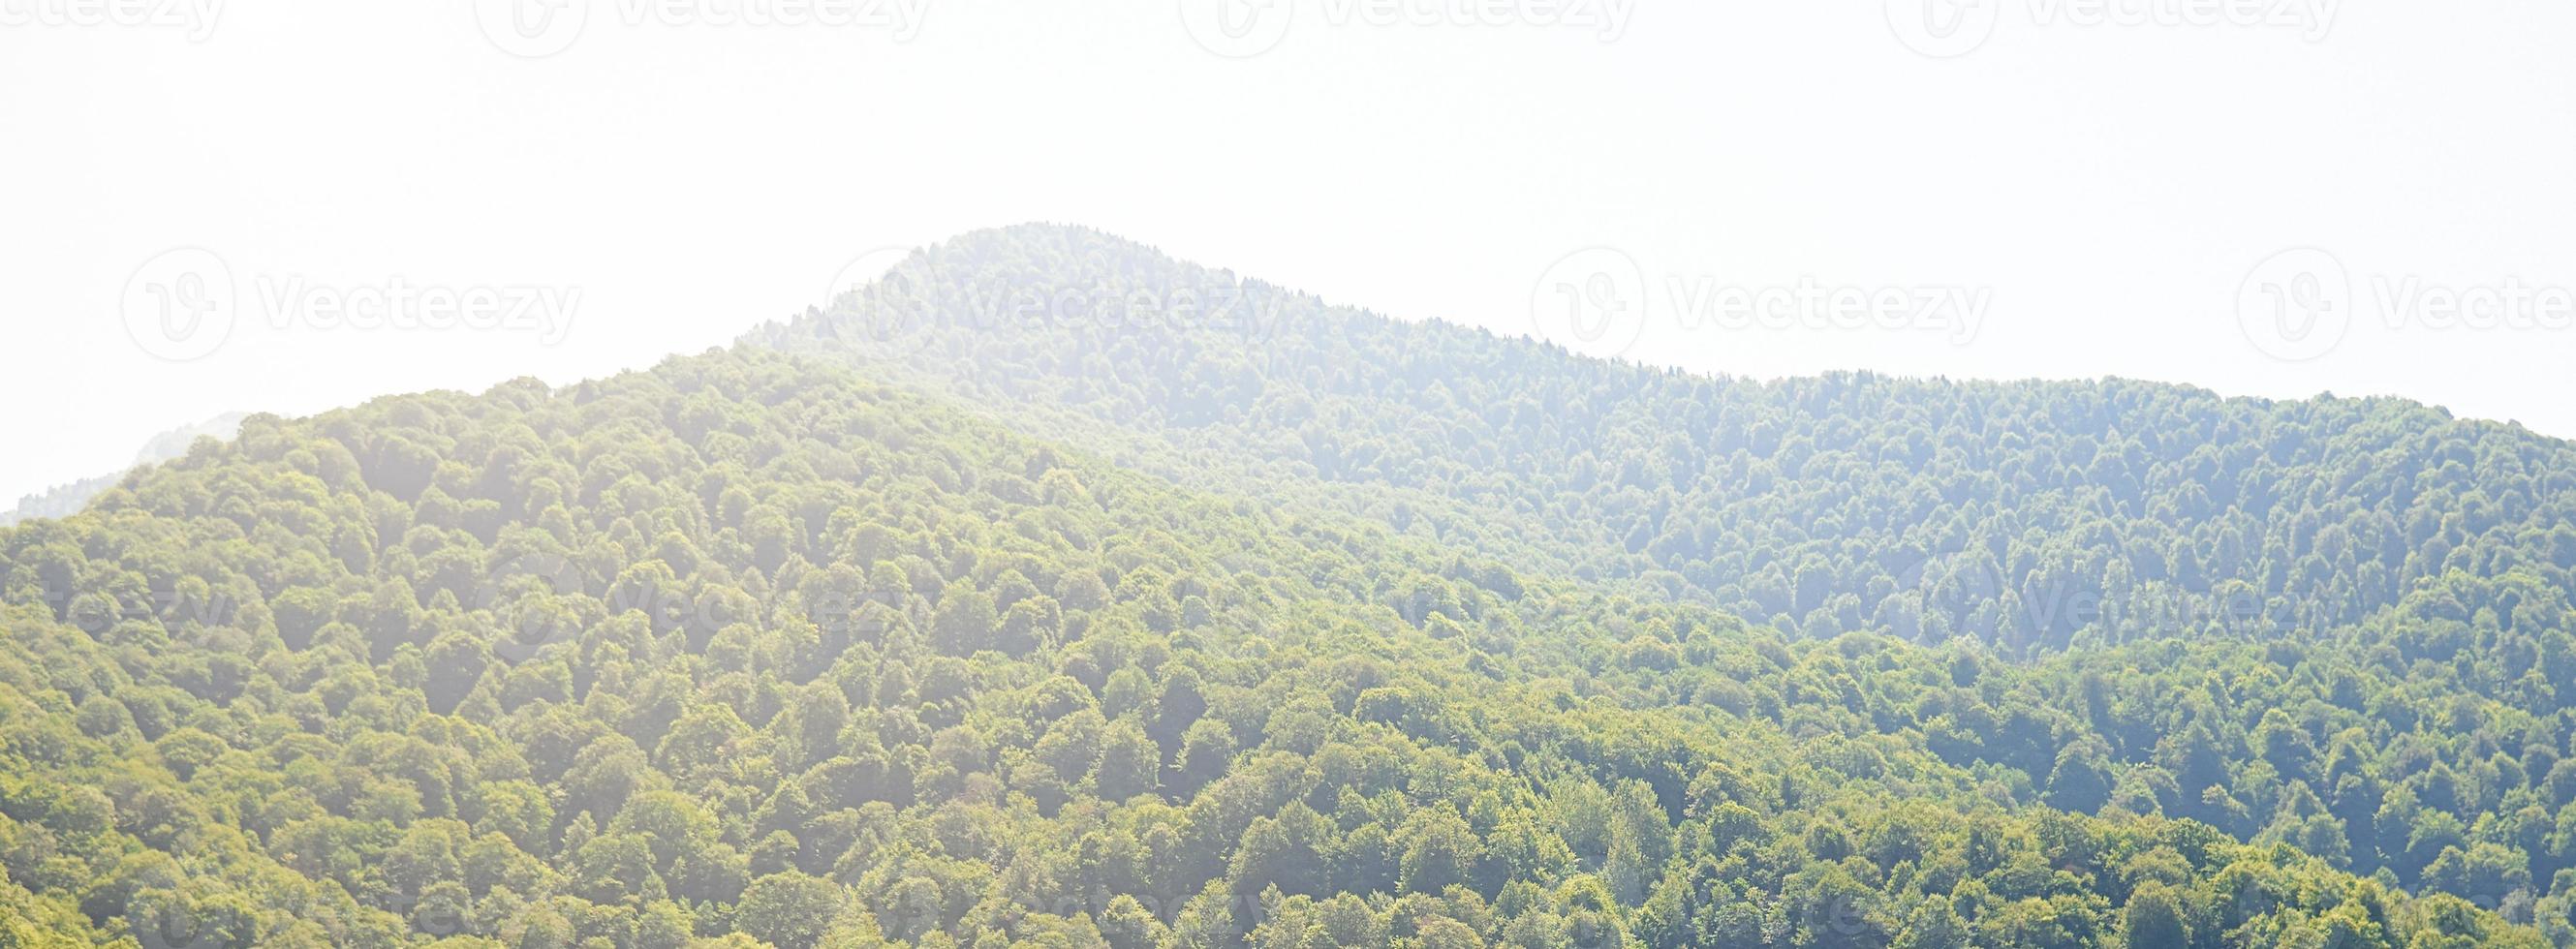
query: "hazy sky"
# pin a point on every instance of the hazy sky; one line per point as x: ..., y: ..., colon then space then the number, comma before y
x: 2018, y: 188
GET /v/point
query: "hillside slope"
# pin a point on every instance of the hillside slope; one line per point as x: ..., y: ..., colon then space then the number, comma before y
x: 2341, y: 624
x: 2035, y: 514
x: 745, y: 647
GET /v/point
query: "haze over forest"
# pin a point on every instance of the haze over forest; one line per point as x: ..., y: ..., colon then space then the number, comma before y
x: 1049, y: 590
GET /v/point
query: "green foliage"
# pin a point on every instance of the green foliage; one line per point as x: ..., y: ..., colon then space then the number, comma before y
x: 746, y: 650
x: 2344, y: 625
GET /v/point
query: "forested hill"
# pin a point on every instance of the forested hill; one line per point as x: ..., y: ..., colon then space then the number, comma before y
x: 746, y: 650
x: 66, y: 499
x: 2032, y: 514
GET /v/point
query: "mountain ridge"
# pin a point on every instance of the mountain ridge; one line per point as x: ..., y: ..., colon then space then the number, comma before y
x: 1306, y: 371
x: 1089, y: 635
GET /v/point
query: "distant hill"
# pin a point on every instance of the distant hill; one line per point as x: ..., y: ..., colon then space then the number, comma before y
x: 1361, y: 633
x: 2033, y: 514
x: 750, y: 647
x: 64, y: 500
x: 2341, y: 624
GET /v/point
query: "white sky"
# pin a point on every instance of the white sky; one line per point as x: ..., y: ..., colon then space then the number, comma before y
x: 2106, y: 189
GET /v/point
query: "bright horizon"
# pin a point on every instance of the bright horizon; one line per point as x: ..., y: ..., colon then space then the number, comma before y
x: 2068, y: 199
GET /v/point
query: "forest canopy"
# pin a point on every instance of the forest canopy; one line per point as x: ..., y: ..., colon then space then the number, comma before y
x: 1365, y: 634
